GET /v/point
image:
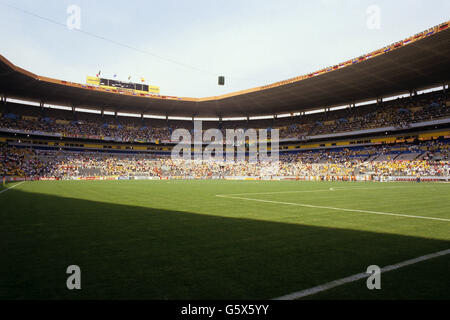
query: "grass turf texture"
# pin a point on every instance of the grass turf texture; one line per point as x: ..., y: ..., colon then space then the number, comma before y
x: 178, y: 240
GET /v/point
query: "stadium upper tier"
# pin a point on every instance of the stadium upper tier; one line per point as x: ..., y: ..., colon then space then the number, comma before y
x: 418, y: 62
x: 400, y: 113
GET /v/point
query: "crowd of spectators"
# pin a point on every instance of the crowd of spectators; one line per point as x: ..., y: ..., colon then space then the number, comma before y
x: 397, y: 113
x: 88, y: 129
x: 427, y: 158
x: 400, y: 113
x: 21, y: 163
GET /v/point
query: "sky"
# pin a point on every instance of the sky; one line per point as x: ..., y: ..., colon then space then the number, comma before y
x: 183, y: 46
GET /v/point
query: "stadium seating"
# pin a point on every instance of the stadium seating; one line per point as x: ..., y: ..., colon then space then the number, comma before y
x: 397, y: 113
x: 427, y: 158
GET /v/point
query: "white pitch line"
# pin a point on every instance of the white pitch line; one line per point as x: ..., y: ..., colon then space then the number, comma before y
x: 334, y: 208
x: 359, y: 276
x: 12, y: 187
x: 308, y: 191
x: 276, y: 192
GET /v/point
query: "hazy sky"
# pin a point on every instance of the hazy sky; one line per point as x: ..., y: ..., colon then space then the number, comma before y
x: 250, y: 42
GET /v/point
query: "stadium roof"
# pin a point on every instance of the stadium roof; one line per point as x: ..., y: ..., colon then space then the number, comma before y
x: 419, y: 62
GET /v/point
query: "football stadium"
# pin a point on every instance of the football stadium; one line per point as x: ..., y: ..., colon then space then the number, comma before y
x: 291, y: 190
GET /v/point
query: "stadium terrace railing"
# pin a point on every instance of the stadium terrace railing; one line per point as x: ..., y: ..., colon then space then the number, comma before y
x: 357, y: 178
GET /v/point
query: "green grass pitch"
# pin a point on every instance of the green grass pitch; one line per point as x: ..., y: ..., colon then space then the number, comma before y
x: 179, y: 240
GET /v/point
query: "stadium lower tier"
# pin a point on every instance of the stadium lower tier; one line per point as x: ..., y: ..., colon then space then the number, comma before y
x: 424, y: 159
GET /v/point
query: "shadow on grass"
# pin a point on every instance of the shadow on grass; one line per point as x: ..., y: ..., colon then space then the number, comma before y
x: 128, y: 252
